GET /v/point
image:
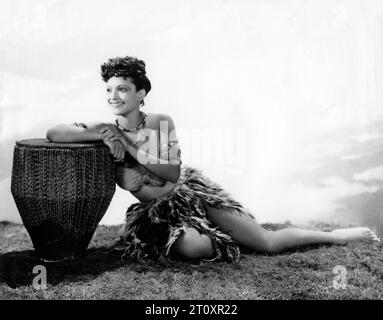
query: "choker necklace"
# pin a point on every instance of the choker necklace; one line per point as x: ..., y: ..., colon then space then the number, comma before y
x: 139, y: 126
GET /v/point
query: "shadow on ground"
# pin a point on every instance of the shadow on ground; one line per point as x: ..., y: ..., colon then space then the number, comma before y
x: 16, y: 268
x: 17, y: 257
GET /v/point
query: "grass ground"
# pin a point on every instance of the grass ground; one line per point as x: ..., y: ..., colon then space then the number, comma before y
x: 306, y: 273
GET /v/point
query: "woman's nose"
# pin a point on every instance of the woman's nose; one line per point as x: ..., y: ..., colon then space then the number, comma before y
x: 113, y: 94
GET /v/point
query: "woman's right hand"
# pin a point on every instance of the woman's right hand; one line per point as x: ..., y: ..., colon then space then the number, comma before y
x: 116, y: 149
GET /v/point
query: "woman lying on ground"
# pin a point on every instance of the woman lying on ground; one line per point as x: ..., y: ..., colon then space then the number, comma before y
x: 180, y: 212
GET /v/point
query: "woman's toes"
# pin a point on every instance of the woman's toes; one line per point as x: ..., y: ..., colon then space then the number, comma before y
x: 352, y: 234
x: 372, y: 234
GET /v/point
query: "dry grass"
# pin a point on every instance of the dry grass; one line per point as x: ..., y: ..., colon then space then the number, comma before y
x: 305, y: 273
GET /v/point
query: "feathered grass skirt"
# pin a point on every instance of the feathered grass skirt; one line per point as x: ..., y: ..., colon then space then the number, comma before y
x: 152, y: 227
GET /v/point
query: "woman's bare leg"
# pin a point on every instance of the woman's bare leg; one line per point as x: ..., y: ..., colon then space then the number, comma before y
x: 250, y: 234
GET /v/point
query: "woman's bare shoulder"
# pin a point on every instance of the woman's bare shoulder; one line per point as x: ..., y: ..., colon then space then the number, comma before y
x: 156, y: 118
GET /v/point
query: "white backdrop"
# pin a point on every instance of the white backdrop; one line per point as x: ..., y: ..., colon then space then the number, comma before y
x: 289, y: 93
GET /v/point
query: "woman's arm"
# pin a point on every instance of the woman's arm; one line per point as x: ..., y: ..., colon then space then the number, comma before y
x: 169, y: 171
x: 75, y: 132
x: 81, y: 132
x: 168, y: 163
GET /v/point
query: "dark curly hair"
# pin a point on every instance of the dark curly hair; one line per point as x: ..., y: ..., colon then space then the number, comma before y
x: 127, y: 67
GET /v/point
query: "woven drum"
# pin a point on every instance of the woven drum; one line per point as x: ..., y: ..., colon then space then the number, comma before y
x: 62, y: 191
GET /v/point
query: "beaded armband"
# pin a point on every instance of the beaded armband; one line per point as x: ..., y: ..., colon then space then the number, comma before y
x: 171, y: 151
x: 79, y: 124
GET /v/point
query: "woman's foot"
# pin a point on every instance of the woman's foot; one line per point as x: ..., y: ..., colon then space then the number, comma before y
x: 342, y: 236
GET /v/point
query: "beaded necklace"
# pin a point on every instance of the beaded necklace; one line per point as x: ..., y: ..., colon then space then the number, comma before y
x: 139, y: 126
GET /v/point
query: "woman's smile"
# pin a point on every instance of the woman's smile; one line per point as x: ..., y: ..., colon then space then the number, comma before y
x: 116, y: 104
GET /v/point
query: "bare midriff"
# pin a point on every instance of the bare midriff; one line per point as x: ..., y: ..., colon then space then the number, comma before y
x: 148, y: 192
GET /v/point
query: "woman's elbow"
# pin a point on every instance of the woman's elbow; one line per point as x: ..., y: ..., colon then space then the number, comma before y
x: 56, y: 134
x: 51, y: 135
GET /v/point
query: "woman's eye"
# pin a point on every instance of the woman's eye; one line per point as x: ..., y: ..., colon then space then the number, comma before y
x: 123, y: 89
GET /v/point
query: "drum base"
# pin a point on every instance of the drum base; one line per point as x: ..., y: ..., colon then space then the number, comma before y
x: 57, y: 261
x: 53, y: 243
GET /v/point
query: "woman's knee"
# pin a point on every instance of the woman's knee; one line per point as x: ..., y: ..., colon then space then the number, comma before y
x: 264, y: 242
x: 193, y: 245
x: 270, y: 243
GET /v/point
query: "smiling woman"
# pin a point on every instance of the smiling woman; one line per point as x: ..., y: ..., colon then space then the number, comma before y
x: 180, y: 212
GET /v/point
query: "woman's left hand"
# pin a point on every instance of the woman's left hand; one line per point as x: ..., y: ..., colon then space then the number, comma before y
x: 113, y: 135
x: 108, y: 131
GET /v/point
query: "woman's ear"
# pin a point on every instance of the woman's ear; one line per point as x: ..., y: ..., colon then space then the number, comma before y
x: 141, y: 94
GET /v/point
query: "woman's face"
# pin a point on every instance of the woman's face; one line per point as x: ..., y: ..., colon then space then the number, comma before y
x: 122, y: 95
